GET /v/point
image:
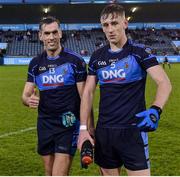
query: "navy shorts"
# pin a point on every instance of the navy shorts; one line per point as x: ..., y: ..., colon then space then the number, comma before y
x: 115, y: 147
x: 54, y: 137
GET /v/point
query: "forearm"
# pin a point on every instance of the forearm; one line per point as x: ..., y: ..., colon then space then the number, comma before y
x: 91, y: 119
x: 25, y: 100
x: 162, y: 94
x: 29, y: 96
x: 86, y: 108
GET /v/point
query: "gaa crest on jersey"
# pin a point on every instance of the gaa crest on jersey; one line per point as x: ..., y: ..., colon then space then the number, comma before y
x: 126, y: 65
x: 42, y: 68
x: 102, y: 63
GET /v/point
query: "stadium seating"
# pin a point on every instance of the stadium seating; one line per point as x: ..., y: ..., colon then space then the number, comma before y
x: 26, y: 43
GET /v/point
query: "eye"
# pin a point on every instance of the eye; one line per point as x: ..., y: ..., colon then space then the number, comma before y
x: 46, y: 33
x: 105, y: 25
x: 114, y: 23
x: 55, y: 32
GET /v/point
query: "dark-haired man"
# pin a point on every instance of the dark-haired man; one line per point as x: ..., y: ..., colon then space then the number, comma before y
x: 121, y: 68
x: 59, y: 75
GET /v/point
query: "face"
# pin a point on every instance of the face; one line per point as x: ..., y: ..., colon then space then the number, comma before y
x: 50, y: 35
x: 114, y: 27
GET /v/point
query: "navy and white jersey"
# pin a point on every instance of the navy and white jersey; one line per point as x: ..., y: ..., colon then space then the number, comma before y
x: 122, y: 77
x: 56, y: 80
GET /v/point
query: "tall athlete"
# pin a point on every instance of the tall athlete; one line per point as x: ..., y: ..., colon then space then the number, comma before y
x: 121, y: 68
x: 59, y: 75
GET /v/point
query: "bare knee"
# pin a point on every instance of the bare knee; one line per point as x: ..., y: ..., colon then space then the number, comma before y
x: 48, y: 169
x: 62, y: 163
x: 145, y: 172
x: 48, y: 164
x: 60, y: 172
x: 110, y: 172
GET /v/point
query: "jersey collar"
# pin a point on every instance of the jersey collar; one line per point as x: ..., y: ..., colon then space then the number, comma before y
x: 128, y: 42
x: 56, y: 57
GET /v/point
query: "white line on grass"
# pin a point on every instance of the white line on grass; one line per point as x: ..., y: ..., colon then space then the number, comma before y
x: 17, y: 132
x: 24, y: 130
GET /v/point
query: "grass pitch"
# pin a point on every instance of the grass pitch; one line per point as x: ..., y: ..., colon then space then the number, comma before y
x: 18, y: 129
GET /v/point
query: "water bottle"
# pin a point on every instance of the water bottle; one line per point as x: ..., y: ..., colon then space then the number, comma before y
x: 86, y: 154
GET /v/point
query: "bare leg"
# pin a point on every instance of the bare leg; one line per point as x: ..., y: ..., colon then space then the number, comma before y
x: 48, y: 164
x: 109, y: 172
x: 62, y: 163
x: 145, y: 172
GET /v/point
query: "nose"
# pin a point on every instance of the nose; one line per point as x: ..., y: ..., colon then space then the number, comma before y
x: 51, y: 36
x: 110, y: 29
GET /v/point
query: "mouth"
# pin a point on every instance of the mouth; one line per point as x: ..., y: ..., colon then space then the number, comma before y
x: 112, y: 36
x: 51, y: 43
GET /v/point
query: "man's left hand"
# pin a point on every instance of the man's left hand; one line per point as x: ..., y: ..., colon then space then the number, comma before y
x: 149, y: 119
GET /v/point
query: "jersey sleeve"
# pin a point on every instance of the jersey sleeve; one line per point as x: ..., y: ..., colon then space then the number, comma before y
x: 32, y: 69
x: 147, y: 60
x: 81, y: 72
x: 92, y: 65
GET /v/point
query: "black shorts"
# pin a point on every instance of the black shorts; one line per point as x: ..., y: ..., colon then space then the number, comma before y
x: 115, y: 147
x: 54, y: 137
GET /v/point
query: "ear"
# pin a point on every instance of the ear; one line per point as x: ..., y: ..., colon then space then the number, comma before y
x: 60, y: 33
x: 125, y: 23
x: 103, y: 29
x: 40, y: 35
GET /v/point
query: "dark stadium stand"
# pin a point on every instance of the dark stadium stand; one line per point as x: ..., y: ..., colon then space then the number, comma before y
x: 26, y: 43
x: 74, y: 15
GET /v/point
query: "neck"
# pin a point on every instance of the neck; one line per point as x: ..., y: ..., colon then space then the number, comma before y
x: 54, y: 53
x: 118, y: 45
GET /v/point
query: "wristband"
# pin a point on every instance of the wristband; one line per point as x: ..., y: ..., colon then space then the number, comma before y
x: 157, y: 108
x: 83, y: 127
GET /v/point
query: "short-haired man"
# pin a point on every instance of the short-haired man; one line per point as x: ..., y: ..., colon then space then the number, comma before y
x: 121, y: 68
x: 60, y: 76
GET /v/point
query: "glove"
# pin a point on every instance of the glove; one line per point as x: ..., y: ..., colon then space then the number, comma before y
x: 149, y: 119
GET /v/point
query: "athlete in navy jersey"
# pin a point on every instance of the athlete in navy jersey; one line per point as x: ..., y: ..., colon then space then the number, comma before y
x: 123, y: 122
x: 56, y: 79
x: 121, y: 75
x: 59, y: 74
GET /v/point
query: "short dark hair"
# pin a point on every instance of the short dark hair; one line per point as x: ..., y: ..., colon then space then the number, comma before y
x: 114, y: 9
x: 48, y: 20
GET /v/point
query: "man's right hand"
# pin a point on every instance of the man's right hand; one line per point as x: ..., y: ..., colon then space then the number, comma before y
x: 84, y: 135
x: 33, y: 100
